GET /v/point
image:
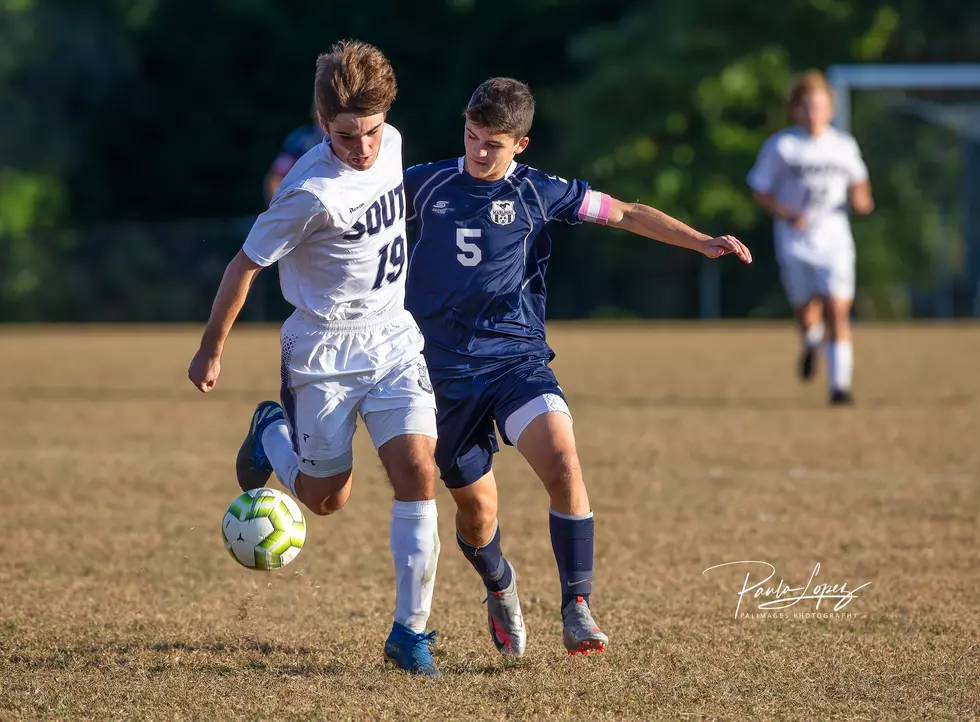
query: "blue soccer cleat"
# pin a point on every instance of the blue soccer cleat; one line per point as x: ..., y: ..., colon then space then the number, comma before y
x: 410, y: 651
x: 252, y: 465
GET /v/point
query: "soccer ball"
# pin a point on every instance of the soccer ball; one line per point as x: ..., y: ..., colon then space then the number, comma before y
x: 263, y: 529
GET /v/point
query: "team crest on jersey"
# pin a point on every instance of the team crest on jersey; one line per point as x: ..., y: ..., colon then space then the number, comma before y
x: 502, y: 212
x: 423, y: 379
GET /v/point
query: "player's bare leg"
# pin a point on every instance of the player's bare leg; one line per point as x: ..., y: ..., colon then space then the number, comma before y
x: 324, y: 496
x: 548, y: 444
x: 809, y: 319
x: 268, y: 447
x: 478, y: 537
x: 414, y: 538
x: 476, y: 510
x: 840, y: 351
x: 409, y: 462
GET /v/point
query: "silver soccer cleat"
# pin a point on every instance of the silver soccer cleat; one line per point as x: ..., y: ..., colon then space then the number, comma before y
x: 504, y: 618
x: 581, y: 634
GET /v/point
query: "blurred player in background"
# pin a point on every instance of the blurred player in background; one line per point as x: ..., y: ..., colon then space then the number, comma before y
x: 805, y: 176
x: 336, y: 226
x: 294, y: 147
x: 476, y: 287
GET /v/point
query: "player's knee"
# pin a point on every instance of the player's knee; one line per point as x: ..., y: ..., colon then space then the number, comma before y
x: 417, y: 470
x: 476, y: 513
x: 414, y: 478
x: 422, y: 466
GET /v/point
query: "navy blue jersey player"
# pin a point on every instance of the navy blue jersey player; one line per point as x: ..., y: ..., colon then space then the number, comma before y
x: 476, y: 286
x: 296, y: 145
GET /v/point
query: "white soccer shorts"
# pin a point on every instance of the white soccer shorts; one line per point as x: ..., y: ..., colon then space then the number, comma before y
x: 806, y: 279
x: 331, y: 372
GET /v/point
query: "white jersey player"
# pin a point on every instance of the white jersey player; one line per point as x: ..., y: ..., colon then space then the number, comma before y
x: 805, y: 177
x: 336, y: 227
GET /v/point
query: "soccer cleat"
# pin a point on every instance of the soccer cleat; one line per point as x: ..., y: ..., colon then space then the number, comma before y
x: 252, y: 465
x: 839, y: 397
x: 505, y: 621
x: 410, y: 651
x: 581, y: 634
x: 807, y: 363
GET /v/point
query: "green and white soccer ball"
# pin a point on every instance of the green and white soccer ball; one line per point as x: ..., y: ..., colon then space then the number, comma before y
x: 263, y: 529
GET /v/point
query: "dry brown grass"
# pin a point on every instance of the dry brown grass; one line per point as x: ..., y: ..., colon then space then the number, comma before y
x: 118, y: 600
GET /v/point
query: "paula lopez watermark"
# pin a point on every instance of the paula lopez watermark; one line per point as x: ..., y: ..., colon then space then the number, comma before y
x: 780, y: 600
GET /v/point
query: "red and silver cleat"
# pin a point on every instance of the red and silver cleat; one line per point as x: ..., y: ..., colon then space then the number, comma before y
x: 581, y: 634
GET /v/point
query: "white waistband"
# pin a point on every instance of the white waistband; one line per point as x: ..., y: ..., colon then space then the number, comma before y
x: 365, y: 323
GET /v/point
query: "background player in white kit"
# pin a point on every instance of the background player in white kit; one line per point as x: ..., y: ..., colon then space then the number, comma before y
x: 805, y: 176
x: 336, y: 225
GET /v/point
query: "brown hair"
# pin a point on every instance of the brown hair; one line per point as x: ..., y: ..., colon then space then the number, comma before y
x: 354, y: 77
x: 809, y: 82
x: 502, y: 105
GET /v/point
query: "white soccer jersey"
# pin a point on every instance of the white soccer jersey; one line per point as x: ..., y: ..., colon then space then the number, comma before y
x: 338, y: 234
x: 811, y: 175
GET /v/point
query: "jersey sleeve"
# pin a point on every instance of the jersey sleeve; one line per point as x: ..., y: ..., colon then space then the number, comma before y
x: 857, y: 171
x: 764, y: 173
x: 290, y: 219
x: 567, y: 201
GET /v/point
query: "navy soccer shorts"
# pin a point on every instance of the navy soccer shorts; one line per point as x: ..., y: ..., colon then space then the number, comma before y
x: 468, y: 407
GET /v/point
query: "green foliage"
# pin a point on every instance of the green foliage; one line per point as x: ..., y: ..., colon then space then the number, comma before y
x: 680, y: 97
x: 149, y: 111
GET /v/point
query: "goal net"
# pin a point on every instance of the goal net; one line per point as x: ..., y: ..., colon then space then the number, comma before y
x: 919, y: 130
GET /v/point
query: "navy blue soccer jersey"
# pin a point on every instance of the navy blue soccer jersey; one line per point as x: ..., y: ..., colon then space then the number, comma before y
x: 295, y: 147
x: 476, y: 278
x: 302, y: 139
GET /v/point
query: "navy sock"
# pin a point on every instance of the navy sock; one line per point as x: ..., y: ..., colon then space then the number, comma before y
x: 572, y: 541
x: 488, y: 561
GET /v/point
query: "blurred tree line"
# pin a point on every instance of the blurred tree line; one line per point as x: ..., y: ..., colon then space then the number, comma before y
x: 120, y: 120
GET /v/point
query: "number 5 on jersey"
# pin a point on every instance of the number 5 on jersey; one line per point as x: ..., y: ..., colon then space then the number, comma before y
x: 470, y: 254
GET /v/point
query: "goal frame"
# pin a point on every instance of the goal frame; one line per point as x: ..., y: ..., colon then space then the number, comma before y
x: 845, y: 78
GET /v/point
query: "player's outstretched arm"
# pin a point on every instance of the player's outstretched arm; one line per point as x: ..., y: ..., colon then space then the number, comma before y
x: 651, y: 223
x: 235, y: 284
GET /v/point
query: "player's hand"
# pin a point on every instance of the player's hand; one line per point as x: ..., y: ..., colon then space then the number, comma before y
x: 799, y: 222
x: 724, y: 245
x: 204, y: 369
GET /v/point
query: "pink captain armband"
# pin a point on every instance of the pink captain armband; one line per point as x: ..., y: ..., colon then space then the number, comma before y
x: 595, y: 208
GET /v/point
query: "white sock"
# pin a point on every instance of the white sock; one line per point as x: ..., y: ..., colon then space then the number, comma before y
x: 813, y: 336
x: 840, y: 365
x: 279, y: 448
x: 415, y: 549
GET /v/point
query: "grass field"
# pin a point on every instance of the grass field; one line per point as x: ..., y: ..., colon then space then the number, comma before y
x: 117, y: 600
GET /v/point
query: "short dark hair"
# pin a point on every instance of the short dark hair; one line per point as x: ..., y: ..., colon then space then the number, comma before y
x: 354, y: 77
x: 502, y: 105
